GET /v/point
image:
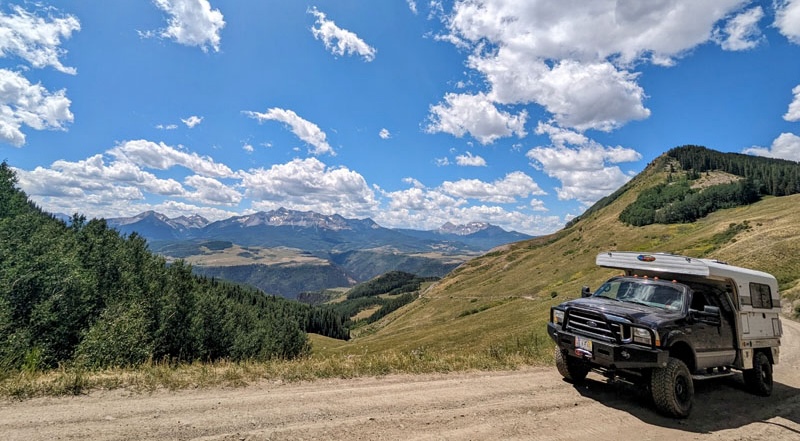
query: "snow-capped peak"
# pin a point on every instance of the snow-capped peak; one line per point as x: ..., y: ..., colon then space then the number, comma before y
x: 193, y: 221
x: 463, y: 230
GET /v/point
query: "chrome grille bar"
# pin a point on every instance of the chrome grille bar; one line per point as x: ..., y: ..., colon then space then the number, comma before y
x: 594, y: 325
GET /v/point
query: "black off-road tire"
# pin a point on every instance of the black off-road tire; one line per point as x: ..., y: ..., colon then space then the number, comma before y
x: 570, y: 368
x: 759, y: 379
x: 672, y: 389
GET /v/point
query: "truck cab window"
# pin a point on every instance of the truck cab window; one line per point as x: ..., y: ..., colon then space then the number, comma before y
x: 698, y: 301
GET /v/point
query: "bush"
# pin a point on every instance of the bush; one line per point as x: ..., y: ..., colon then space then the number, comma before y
x: 119, y: 338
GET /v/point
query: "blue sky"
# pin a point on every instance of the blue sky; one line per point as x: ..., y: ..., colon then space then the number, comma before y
x: 520, y: 113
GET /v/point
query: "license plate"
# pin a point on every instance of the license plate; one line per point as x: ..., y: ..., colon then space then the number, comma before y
x: 583, y: 346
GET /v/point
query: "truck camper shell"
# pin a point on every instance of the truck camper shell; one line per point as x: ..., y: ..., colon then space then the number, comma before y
x: 668, y: 321
x: 754, y: 294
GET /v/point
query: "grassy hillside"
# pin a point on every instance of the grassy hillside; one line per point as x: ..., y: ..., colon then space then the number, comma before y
x: 490, y: 312
x: 500, y: 302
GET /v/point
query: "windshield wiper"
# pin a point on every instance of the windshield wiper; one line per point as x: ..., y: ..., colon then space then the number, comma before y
x: 609, y: 298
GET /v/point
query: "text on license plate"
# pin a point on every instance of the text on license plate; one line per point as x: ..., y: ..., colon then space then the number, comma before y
x: 583, y: 344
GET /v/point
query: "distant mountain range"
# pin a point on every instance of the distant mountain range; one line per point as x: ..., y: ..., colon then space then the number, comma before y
x: 314, y: 232
x: 288, y: 252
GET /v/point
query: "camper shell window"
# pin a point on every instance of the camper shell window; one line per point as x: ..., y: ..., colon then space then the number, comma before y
x: 761, y: 295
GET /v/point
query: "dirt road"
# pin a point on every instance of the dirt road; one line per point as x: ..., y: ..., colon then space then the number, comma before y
x: 530, y: 404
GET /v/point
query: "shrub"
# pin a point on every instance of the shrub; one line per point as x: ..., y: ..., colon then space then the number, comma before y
x: 119, y: 338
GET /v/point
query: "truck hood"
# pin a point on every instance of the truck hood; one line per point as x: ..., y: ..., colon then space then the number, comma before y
x: 636, y: 313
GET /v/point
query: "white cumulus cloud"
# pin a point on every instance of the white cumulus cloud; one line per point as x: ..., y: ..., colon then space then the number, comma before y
x: 31, y: 105
x: 504, y: 191
x: 581, y: 95
x: 468, y: 160
x: 429, y: 209
x: 162, y: 157
x: 785, y: 146
x: 585, y: 168
x: 741, y: 32
x: 35, y: 39
x: 793, y: 114
x: 460, y: 114
x: 309, y: 184
x: 192, y: 23
x: 538, y: 205
x: 577, y: 59
x: 192, y: 121
x: 339, y: 41
x: 787, y: 19
x: 211, y: 191
x: 305, y: 130
x: 95, y: 187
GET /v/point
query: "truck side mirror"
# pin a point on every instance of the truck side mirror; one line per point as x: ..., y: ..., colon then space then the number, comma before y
x: 586, y: 292
x: 709, y: 315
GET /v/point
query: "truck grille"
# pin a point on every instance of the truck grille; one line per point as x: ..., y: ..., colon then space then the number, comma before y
x: 592, y: 324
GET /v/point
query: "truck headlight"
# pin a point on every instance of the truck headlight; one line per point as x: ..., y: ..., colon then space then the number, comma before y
x: 558, y: 316
x: 642, y: 335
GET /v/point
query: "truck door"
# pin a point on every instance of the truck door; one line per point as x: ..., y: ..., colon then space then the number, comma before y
x: 713, y: 336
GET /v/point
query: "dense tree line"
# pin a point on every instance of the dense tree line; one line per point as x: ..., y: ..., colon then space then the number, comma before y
x: 676, y: 202
x: 352, y: 307
x: 391, y: 305
x: 329, y: 321
x: 393, y: 282
x: 83, y: 293
x: 775, y: 177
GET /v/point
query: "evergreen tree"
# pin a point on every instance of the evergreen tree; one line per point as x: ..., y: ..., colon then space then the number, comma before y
x: 85, y: 293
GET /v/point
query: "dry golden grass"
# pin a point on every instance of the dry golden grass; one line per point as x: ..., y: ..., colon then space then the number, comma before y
x: 489, y: 313
x: 505, y: 295
x: 160, y: 376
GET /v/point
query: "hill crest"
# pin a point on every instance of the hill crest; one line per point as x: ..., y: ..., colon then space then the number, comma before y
x: 504, y: 296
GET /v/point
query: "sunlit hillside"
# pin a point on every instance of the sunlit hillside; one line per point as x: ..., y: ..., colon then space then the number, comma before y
x: 501, y: 301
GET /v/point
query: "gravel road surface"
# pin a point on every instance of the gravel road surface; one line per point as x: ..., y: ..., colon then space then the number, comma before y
x: 528, y: 404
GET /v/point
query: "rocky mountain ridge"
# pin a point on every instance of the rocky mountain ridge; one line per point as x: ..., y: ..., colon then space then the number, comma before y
x: 250, y: 229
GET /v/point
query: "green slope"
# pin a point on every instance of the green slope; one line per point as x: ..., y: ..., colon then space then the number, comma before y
x: 501, y: 300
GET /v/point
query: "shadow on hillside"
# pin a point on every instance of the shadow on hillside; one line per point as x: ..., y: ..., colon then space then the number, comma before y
x: 719, y: 404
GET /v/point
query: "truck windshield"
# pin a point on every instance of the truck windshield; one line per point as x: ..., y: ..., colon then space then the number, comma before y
x: 643, y: 292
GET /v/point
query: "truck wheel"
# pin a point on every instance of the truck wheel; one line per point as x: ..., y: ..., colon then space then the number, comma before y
x: 672, y: 389
x: 570, y: 368
x: 759, y: 379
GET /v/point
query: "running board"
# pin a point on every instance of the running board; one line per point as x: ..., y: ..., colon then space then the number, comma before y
x: 710, y: 375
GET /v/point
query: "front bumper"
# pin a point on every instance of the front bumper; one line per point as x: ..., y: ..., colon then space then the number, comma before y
x: 609, y: 355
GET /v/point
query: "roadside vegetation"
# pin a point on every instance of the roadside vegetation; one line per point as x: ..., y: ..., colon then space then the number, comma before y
x: 489, y: 313
x: 76, y: 380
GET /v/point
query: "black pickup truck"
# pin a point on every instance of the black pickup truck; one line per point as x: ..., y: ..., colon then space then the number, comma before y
x: 668, y: 321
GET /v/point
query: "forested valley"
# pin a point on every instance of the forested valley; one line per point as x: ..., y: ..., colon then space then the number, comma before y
x: 80, y: 293
x: 386, y: 293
